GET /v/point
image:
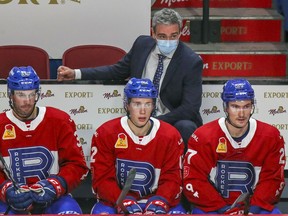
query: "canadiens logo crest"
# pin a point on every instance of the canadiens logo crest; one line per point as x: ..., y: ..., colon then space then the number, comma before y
x: 222, y: 145
x: 9, y: 132
x: 121, y: 141
x: 186, y: 171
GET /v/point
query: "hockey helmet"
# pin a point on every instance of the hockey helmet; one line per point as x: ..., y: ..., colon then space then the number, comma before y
x: 237, y: 90
x: 140, y: 88
x: 23, y: 78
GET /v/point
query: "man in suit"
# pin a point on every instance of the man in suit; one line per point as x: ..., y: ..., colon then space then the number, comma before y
x: 180, y: 85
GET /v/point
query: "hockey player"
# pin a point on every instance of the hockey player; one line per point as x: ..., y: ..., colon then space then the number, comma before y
x: 41, y: 150
x: 235, y: 155
x: 138, y: 141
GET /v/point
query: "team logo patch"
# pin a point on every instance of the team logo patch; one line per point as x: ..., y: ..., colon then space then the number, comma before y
x: 121, y: 141
x: 222, y: 145
x: 186, y: 171
x: 9, y: 132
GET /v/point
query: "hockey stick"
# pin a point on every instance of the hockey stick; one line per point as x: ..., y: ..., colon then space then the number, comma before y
x: 244, y: 197
x: 240, y: 199
x: 246, y: 204
x: 7, y: 172
x: 9, y: 176
x: 126, y: 188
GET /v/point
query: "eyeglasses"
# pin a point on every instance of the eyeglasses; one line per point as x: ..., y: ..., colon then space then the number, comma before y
x: 21, y: 95
x: 236, y: 108
x: 137, y: 105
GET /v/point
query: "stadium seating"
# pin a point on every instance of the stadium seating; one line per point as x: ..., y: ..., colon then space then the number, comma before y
x: 91, y: 56
x: 24, y: 55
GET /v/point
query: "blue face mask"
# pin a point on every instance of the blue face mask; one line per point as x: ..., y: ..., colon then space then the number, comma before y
x: 167, y: 46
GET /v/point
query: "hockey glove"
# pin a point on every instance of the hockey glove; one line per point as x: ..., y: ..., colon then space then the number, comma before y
x: 18, y: 199
x: 47, y: 190
x: 131, y: 205
x: 156, y: 205
x: 237, y: 210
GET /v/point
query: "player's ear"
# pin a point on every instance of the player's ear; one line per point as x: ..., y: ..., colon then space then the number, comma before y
x: 252, y: 110
x: 153, y: 34
x: 225, y: 107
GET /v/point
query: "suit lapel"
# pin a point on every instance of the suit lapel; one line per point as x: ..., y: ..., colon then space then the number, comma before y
x: 142, y: 58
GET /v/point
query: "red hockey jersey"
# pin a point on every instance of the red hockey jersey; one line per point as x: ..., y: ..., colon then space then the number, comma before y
x: 157, y: 158
x: 217, y: 169
x: 49, y: 145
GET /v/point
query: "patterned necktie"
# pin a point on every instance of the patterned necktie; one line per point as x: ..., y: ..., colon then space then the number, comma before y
x: 157, y: 76
x: 159, y: 71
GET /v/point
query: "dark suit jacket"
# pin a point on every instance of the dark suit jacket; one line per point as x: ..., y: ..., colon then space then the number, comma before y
x: 181, y: 90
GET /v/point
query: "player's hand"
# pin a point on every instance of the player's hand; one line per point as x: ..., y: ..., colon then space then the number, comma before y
x: 18, y: 199
x: 131, y: 205
x: 65, y: 73
x: 156, y: 205
x: 47, y: 190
